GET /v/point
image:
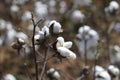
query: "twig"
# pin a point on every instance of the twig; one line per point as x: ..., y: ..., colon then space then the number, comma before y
x: 33, y: 44
x: 85, y: 50
x: 45, y: 62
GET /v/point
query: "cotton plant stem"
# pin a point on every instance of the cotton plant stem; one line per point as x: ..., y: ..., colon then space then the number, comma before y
x: 44, y: 64
x: 85, y: 51
x: 34, y: 54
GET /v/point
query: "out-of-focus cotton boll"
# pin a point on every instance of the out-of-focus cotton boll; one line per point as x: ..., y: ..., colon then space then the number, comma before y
x: 52, y: 4
x: 9, y: 77
x: 14, y: 8
x: 114, y: 71
x: 63, y: 7
x: 41, y: 9
x: 22, y: 36
x: 77, y: 16
x: 117, y: 27
x: 53, y: 73
x: 115, y: 54
x: 1, y: 41
x: 20, y: 2
x: 2, y: 24
x: 104, y: 75
x: 56, y: 26
x: 82, y: 2
x: 66, y: 53
x: 45, y: 29
x: 97, y: 69
x: 26, y: 16
x: 91, y: 38
x: 113, y: 6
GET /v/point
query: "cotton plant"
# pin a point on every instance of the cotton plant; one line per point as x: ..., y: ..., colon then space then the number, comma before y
x: 114, y: 72
x: 87, y: 41
x: 9, y: 77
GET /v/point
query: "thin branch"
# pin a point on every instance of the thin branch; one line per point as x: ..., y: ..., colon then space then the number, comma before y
x: 45, y: 62
x: 85, y: 50
x: 33, y: 44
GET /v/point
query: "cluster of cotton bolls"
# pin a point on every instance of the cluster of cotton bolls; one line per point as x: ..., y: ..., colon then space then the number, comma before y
x: 111, y: 73
x: 87, y: 40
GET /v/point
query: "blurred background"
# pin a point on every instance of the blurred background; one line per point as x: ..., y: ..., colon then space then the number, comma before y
x: 15, y: 22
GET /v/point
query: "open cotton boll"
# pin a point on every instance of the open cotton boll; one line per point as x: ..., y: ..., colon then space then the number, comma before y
x: 94, y: 34
x: 117, y: 27
x: 2, y: 24
x: 113, y: 6
x: 84, y: 29
x: 56, y: 26
x: 9, y: 77
x: 45, y: 29
x: 67, y: 44
x: 114, y: 71
x: 77, y: 16
x: 41, y: 33
x: 83, y: 2
x: 104, y: 75
x: 66, y: 53
x: 51, y: 70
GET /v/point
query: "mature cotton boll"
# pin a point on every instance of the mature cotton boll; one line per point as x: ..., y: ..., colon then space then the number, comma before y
x: 97, y: 69
x: 104, y: 75
x: 66, y: 53
x: 77, y: 16
x: 56, y: 27
x: 22, y: 35
x: 45, y: 29
x: 26, y: 16
x: 67, y: 44
x: 30, y: 28
x: 114, y: 70
x: 113, y: 6
x: 14, y: 8
x: 41, y: 33
x: 21, y: 41
x: 56, y: 75
x: 9, y: 77
x: 84, y: 29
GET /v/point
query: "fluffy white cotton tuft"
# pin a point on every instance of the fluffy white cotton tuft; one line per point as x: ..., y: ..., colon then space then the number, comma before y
x: 9, y: 77
x: 67, y: 44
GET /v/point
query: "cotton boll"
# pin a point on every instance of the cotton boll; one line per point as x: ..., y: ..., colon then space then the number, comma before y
x: 66, y: 53
x: 56, y: 26
x: 9, y: 77
x: 21, y: 41
x: 42, y: 34
x: 14, y: 8
x: 82, y: 2
x: 67, y: 44
x: 30, y: 28
x: 56, y: 75
x: 45, y: 29
x: 94, y: 34
x: 22, y: 35
x: 104, y: 75
x: 84, y: 29
x: 77, y: 16
x: 113, y: 6
x: 51, y: 70
x: 60, y: 41
x: 63, y: 7
x: 26, y: 16
x: 114, y: 71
